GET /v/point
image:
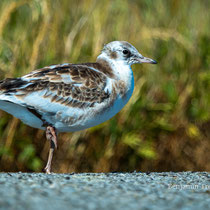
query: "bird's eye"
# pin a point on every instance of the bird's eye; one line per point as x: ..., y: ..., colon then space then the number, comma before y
x: 126, y: 52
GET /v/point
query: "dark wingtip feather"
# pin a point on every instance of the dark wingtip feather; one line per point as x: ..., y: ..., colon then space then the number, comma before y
x: 9, y: 84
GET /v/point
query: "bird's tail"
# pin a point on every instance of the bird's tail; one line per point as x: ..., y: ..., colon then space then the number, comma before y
x: 9, y: 85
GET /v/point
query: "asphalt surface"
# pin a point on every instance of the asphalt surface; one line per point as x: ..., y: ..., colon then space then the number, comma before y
x: 185, y: 190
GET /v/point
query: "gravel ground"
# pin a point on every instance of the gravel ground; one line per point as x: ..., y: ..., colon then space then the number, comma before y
x: 185, y: 190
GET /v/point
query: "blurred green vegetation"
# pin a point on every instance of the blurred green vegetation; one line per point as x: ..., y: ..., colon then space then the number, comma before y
x: 166, y: 124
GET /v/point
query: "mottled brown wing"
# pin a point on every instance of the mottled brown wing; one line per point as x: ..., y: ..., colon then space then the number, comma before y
x: 72, y: 85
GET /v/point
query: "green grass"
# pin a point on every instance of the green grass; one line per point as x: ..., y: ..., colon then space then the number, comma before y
x: 166, y: 124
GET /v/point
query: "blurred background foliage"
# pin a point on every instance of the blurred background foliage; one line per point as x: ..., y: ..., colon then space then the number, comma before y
x: 166, y: 124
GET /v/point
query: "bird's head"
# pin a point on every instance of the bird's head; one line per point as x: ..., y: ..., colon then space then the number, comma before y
x: 124, y: 52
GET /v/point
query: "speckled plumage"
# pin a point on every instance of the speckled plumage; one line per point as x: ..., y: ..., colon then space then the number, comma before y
x: 81, y: 86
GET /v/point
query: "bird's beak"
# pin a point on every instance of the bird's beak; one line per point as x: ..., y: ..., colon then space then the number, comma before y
x: 147, y: 60
x: 142, y: 59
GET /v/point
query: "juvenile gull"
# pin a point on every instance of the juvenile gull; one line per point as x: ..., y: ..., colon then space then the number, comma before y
x: 72, y: 97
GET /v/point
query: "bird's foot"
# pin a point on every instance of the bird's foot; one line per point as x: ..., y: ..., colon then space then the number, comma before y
x: 47, y: 170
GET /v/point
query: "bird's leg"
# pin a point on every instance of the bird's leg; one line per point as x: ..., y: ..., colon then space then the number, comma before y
x: 52, y: 137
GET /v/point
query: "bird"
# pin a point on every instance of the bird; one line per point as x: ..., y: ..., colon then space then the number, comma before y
x: 72, y: 97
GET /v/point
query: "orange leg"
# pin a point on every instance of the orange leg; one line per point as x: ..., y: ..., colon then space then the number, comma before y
x: 52, y: 137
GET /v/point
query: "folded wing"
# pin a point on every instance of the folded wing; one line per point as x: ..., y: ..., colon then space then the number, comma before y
x: 52, y: 88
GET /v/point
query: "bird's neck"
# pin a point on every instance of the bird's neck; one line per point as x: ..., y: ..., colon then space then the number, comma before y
x: 119, y: 69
